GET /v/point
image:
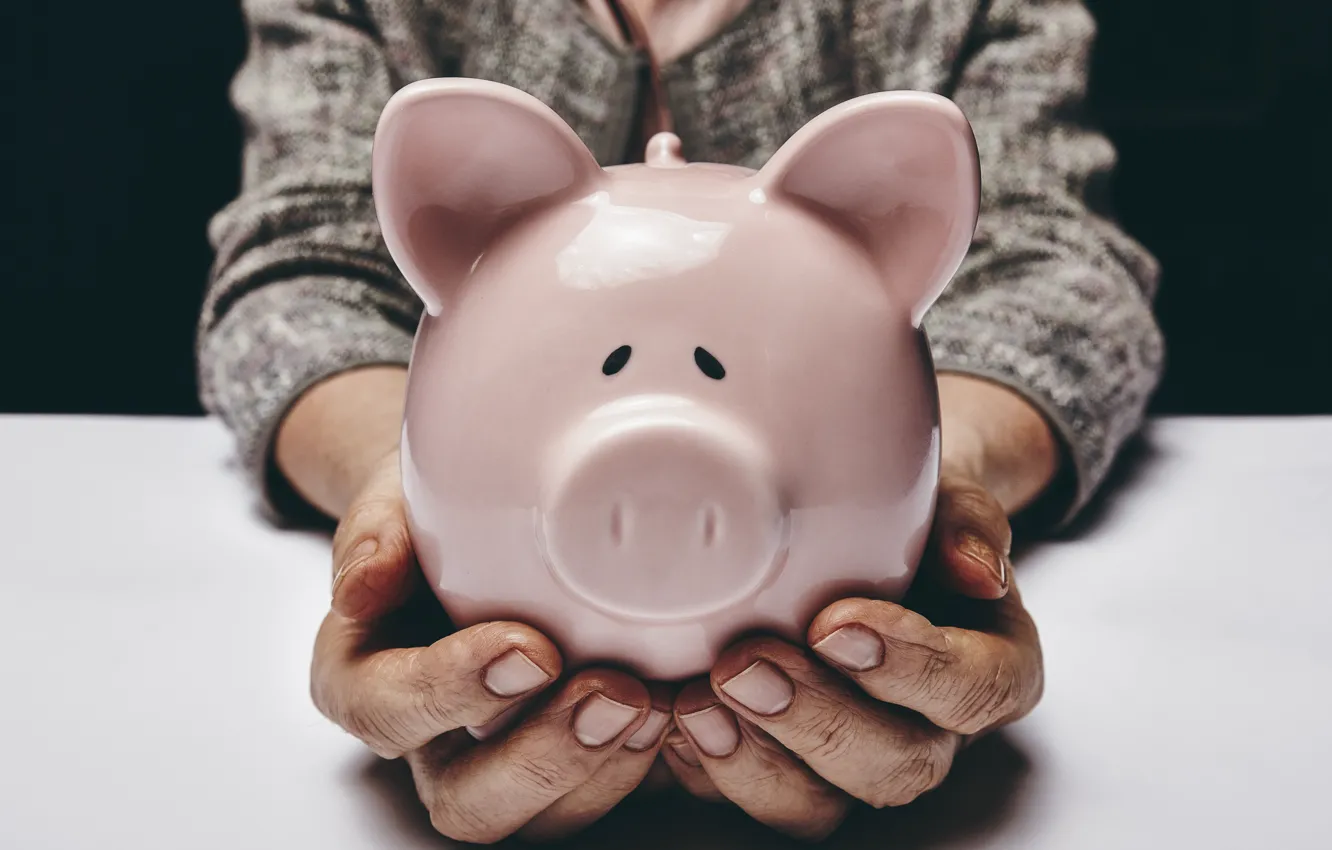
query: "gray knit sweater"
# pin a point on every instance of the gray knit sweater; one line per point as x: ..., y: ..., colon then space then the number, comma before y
x: 1054, y: 300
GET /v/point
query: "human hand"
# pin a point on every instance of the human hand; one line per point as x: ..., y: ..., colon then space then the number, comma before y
x: 542, y: 759
x: 884, y: 696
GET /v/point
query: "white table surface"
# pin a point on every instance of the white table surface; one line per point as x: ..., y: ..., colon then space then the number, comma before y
x: 155, y: 637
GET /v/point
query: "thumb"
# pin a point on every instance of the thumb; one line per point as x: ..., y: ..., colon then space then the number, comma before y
x: 374, y: 567
x: 971, y: 539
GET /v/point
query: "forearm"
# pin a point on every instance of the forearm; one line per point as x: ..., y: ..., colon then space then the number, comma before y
x: 303, y: 290
x: 337, y: 431
x: 995, y: 437
x: 1054, y: 300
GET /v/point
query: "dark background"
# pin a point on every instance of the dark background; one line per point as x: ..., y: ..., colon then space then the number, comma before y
x: 124, y: 145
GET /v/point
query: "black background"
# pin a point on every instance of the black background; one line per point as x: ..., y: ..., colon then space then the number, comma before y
x: 124, y: 145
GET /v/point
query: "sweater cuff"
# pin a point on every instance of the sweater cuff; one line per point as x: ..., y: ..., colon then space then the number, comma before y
x: 272, y: 346
x: 1046, y: 373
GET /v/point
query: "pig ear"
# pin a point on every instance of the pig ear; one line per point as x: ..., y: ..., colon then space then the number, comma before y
x: 901, y: 169
x: 455, y: 160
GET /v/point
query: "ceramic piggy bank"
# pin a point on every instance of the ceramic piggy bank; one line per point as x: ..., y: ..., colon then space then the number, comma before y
x: 653, y: 406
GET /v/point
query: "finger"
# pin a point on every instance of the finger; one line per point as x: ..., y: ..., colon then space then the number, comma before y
x: 970, y: 542
x: 374, y: 570
x: 680, y: 756
x: 756, y: 772
x: 961, y: 680
x: 396, y: 700
x: 621, y: 773
x: 490, y: 791
x: 876, y: 752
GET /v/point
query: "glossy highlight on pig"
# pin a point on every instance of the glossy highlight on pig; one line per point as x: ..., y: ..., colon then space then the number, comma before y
x: 654, y: 406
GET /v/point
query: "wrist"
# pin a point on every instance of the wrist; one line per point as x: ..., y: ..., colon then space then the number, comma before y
x: 963, y: 449
x: 338, y: 432
x: 994, y: 436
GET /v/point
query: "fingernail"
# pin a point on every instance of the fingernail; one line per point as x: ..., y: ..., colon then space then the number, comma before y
x: 714, y: 730
x: 496, y: 724
x: 761, y: 688
x: 512, y: 674
x: 600, y: 720
x: 686, y: 753
x: 854, y: 647
x: 649, y: 733
x: 974, y: 547
x: 363, y: 550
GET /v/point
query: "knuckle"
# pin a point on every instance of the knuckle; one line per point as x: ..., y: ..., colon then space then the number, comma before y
x: 369, y: 716
x: 358, y: 719
x: 377, y: 730
x: 925, y: 670
x: 917, y: 666
x: 461, y: 822
x: 922, y: 768
x: 988, y: 701
x: 828, y: 734
x: 545, y: 772
x: 431, y: 691
x: 434, y: 696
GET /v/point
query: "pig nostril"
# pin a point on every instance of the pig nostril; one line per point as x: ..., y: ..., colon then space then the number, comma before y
x: 708, y: 364
x: 616, y: 360
x: 617, y: 524
x: 710, y: 526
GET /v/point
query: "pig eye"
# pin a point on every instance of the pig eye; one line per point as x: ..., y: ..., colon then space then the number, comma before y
x: 616, y: 360
x: 708, y: 364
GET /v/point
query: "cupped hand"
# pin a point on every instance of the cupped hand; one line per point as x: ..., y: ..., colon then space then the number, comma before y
x: 497, y: 743
x: 883, y: 696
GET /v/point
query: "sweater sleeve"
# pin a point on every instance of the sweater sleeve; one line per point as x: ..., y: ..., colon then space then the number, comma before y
x: 303, y: 286
x: 1053, y: 301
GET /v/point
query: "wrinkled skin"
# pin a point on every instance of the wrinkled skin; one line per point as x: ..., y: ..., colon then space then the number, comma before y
x: 958, y: 659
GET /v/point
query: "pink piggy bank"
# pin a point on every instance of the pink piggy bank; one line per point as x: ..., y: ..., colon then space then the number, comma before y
x: 654, y: 406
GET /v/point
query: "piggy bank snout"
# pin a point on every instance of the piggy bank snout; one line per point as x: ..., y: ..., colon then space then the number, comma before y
x: 661, y: 510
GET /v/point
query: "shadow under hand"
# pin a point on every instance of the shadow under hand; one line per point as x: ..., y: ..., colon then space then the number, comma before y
x: 389, y: 784
x: 980, y: 795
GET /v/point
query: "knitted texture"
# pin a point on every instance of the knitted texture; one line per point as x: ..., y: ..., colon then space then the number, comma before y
x: 1053, y: 300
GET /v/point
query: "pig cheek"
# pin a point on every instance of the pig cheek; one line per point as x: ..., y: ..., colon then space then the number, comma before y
x: 471, y: 458
x: 860, y: 485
